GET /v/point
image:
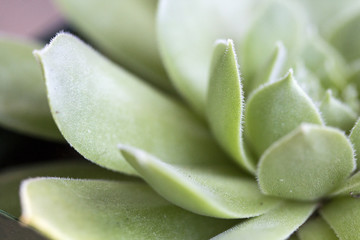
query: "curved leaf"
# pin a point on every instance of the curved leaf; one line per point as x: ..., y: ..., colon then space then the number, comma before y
x: 23, y: 103
x: 306, y: 164
x: 316, y: 229
x: 97, y: 105
x: 355, y: 139
x: 217, y: 190
x: 275, y: 110
x: 343, y: 215
x: 337, y: 114
x: 225, y: 104
x: 84, y: 209
x: 10, y: 179
x: 126, y: 37
x: 277, y: 224
x: 350, y: 188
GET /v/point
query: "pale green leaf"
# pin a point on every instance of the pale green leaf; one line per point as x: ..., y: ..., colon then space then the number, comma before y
x: 309, y: 82
x: 316, y: 229
x: 23, y: 103
x: 89, y: 209
x: 307, y: 163
x: 11, y: 229
x: 10, y: 179
x: 187, y: 30
x: 343, y: 215
x: 336, y: 113
x: 272, y: 70
x: 124, y: 29
x: 277, y: 224
x: 344, y: 35
x: 225, y: 104
x: 355, y: 140
x: 97, y: 105
x: 278, y: 21
x: 324, y: 61
x: 275, y: 110
x: 217, y: 190
x: 349, y: 188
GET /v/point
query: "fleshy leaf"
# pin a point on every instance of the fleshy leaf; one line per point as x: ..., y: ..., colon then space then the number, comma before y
x: 225, y: 103
x: 316, y: 229
x: 217, y: 190
x: 276, y: 21
x: 97, y: 105
x: 337, y: 114
x: 355, y: 139
x: 277, y: 224
x: 343, y: 215
x: 89, y: 209
x: 128, y: 38
x: 187, y: 59
x: 350, y: 188
x: 23, y: 103
x: 10, y: 179
x: 343, y: 34
x: 275, y: 110
x: 12, y: 229
x: 272, y: 70
x: 306, y: 164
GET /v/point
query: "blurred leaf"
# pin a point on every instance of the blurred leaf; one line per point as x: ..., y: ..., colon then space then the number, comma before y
x: 124, y: 29
x: 275, y: 110
x: 23, y: 104
x: 10, y: 179
x: 277, y: 224
x: 88, y: 209
x: 336, y: 113
x: 100, y: 106
x: 216, y: 190
x: 225, y: 104
x: 306, y: 164
x: 316, y: 229
x: 343, y: 216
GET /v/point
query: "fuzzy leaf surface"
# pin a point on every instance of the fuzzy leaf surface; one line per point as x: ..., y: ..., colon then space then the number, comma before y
x: 225, y: 104
x: 277, y: 224
x: 275, y: 110
x: 307, y: 163
x: 97, y: 105
x: 128, y: 38
x: 216, y: 190
x: 93, y: 209
x: 316, y: 229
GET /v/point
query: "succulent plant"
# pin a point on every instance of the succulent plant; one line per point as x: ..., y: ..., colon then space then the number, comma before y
x: 246, y: 129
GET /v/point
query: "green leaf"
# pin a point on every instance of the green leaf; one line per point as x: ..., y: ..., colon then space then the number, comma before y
x: 336, y: 113
x: 272, y: 70
x: 350, y: 188
x: 275, y: 110
x: 89, y: 209
x: 11, y: 229
x: 10, y: 179
x: 277, y: 224
x: 97, y: 105
x: 276, y: 21
x: 316, y: 229
x: 355, y: 139
x: 23, y: 103
x: 216, y: 190
x: 187, y: 31
x: 128, y: 38
x: 306, y: 164
x: 343, y: 34
x: 343, y: 215
x: 225, y: 103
